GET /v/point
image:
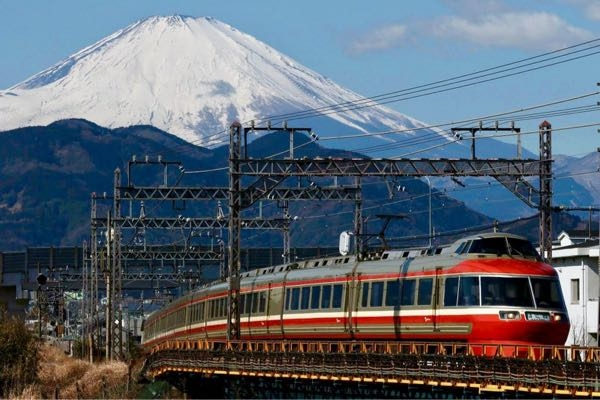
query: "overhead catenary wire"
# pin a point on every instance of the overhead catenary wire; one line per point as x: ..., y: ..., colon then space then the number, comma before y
x: 524, y: 61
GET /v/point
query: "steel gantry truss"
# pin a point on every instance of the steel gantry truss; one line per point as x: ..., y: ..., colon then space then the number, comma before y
x: 109, y: 260
x: 270, y: 173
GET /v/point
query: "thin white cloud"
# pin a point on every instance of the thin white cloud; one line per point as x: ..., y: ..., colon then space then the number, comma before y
x: 525, y: 30
x: 532, y: 31
x: 476, y: 7
x: 592, y: 10
x: 383, y: 38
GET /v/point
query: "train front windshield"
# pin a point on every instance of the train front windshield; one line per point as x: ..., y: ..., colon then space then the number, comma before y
x: 499, y: 246
x: 503, y: 291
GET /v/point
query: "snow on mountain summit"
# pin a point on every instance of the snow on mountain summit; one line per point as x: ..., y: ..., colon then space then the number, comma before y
x: 189, y: 76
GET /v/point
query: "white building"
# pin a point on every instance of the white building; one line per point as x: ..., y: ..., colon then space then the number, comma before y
x: 575, y: 258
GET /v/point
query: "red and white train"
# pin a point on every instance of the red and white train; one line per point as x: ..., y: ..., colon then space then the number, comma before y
x: 489, y: 288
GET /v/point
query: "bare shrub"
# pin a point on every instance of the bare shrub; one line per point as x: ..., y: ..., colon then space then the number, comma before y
x: 19, y: 355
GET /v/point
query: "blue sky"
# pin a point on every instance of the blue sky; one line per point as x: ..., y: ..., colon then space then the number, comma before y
x: 371, y: 47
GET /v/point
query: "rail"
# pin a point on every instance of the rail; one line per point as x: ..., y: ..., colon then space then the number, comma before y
x: 550, y: 370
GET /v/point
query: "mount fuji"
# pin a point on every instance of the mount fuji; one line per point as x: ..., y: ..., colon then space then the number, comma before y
x: 193, y: 77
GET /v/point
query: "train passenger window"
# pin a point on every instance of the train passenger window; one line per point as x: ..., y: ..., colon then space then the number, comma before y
x: 295, y: 302
x: 425, y: 291
x: 376, y: 294
x: 450, y: 292
x: 506, y: 291
x: 315, y: 297
x: 305, y: 298
x: 288, y: 297
x: 255, y: 298
x: 326, y: 297
x: 365, y: 294
x: 469, y: 291
x: 336, y: 301
x: 262, y: 302
x: 392, y: 293
x: 407, y: 292
x: 248, y: 303
x: 547, y: 293
x: 242, y: 304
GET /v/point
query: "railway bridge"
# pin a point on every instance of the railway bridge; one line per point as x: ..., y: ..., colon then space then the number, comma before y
x: 333, y: 369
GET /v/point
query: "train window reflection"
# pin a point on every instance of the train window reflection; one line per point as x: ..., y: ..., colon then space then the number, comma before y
x: 262, y: 302
x: 506, y: 291
x: 425, y: 291
x: 468, y: 291
x: 376, y: 294
x: 242, y: 303
x: 305, y: 299
x: 489, y: 246
x: 315, y: 297
x: 248, y: 303
x: 392, y: 294
x: 408, y: 292
x: 326, y: 297
x: 288, y: 297
x: 523, y: 248
x: 295, y: 302
x: 450, y: 291
x: 337, y: 296
x: 365, y: 294
x: 547, y: 293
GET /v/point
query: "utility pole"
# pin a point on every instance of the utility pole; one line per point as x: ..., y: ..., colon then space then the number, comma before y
x: 545, y: 174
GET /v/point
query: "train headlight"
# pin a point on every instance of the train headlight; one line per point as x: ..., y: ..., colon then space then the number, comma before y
x: 558, y: 317
x: 509, y: 315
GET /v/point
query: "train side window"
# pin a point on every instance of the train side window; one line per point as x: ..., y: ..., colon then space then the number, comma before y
x: 295, y: 302
x: 305, y: 298
x: 468, y: 291
x: 326, y: 297
x: 425, y: 291
x: 248, y: 303
x: 460, y: 248
x: 336, y: 301
x: 262, y: 302
x: 315, y: 297
x: 407, y: 292
x: 242, y: 304
x: 365, y: 294
x: 450, y: 292
x: 376, y: 294
x: 288, y: 297
x: 392, y: 293
x: 255, y: 296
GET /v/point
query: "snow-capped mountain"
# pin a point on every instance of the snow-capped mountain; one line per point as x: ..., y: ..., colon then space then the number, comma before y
x: 193, y: 77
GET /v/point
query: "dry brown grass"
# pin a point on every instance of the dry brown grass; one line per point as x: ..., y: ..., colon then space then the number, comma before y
x: 71, y: 378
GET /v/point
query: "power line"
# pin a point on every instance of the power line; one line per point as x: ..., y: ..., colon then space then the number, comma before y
x: 386, y: 96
